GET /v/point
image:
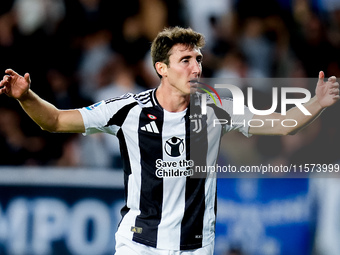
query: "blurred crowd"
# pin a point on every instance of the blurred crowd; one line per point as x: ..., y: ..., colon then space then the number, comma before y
x: 79, y: 52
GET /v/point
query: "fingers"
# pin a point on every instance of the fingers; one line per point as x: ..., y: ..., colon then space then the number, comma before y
x: 12, y: 75
x: 333, y: 87
x: 27, y: 78
x: 2, y: 87
x: 334, y: 91
x: 9, y: 75
x: 10, y: 72
x: 321, y: 75
x: 333, y: 84
x: 332, y: 79
x: 6, y: 78
x: 4, y: 81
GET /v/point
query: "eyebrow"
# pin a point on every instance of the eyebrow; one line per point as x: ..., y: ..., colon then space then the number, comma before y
x: 190, y: 56
x: 186, y: 57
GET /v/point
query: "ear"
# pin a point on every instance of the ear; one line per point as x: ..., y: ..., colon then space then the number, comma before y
x: 161, y: 68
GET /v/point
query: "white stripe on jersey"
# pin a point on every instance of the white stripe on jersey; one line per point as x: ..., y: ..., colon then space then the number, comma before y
x: 134, y: 182
x: 210, y: 184
x: 209, y: 215
x: 169, y: 229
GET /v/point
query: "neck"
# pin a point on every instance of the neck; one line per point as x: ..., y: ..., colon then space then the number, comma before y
x: 172, y: 100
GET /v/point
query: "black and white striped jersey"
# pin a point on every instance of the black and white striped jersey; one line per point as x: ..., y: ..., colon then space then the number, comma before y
x: 167, y: 205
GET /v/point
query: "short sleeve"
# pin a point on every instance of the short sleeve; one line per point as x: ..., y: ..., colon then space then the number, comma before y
x: 238, y: 122
x: 96, y: 118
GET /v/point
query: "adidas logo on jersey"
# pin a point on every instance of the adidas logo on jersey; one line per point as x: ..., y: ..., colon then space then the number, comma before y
x: 151, y: 127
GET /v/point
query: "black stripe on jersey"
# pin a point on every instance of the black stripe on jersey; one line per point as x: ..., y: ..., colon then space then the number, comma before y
x: 220, y: 113
x: 154, y: 99
x: 119, y: 118
x: 192, y: 223
x: 151, y: 194
x: 144, y: 97
x: 126, y: 167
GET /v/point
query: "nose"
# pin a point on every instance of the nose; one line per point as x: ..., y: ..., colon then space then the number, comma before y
x: 197, y: 69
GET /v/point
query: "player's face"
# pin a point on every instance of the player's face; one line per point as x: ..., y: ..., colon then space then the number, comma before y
x: 185, y: 65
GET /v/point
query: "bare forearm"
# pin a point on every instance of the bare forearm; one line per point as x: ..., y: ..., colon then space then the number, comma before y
x: 301, y: 119
x: 40, y: 111
x: 49, y: 118
x: 291, y: 123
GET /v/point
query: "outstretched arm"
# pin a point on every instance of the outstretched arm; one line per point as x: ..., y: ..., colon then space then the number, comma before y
x: 47, y: 116
x: 326, y: 94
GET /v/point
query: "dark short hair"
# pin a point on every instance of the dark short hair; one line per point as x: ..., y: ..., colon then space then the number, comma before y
x: 166, y: 39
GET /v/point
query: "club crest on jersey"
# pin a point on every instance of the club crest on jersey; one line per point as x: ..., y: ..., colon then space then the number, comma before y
x: 174, y: 146
x: 196, y: 122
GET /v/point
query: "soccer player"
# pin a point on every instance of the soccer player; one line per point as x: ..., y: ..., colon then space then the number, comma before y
x: 168, y: 210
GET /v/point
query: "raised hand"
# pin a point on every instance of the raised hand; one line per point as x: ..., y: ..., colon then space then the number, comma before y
x: 327, y: 92
x: 15, y: 85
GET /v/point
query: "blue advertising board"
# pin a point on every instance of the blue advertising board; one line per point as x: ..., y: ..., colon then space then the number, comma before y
x: 77, y: 211
x: 264, y: 216
x: 59, y: 211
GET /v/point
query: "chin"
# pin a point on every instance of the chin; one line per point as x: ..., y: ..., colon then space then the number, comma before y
x: 193, y: 90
